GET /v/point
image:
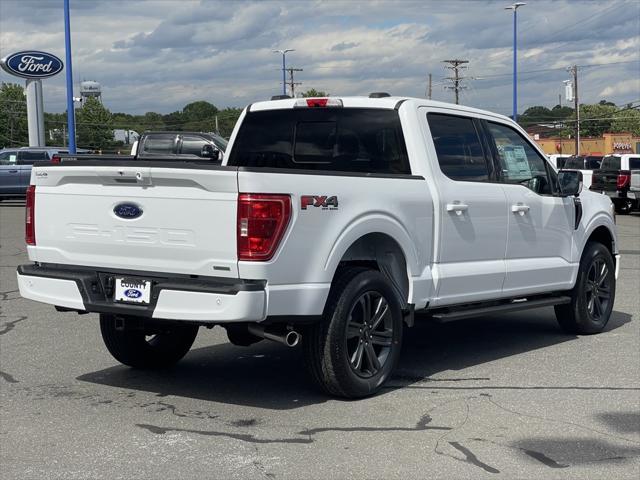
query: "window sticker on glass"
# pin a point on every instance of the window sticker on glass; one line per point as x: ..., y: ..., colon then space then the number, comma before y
x: 13, y: 158
x: 515, y: 160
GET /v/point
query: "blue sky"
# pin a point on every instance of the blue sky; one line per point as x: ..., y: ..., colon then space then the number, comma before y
x: 158, y: 55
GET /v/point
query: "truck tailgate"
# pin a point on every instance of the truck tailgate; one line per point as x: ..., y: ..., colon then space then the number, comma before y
x: 177, y: 220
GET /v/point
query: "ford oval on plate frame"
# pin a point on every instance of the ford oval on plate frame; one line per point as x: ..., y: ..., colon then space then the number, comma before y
x: 128, y: 211
x: 132, y: 290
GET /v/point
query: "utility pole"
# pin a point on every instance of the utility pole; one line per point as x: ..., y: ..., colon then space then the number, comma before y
x: 217, y: 128
x: 576, y: 105
x: 292, y: 84
x: 429, y: 89
x: 456, y: 65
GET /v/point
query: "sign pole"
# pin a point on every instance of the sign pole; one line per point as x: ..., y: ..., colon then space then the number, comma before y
x: 71, y: 122
x: 35, y: 113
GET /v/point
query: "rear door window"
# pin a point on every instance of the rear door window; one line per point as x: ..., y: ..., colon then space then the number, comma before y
x: 160, y: 144
x: 363, y: 140
x: 192, y: 145
x: 29, y: 158
x: 458, y: 147
x: 634, y: 163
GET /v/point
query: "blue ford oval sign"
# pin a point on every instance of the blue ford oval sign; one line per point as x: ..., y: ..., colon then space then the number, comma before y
x: 132, y: 293
x: 32, y: 64
x: 127, y: 210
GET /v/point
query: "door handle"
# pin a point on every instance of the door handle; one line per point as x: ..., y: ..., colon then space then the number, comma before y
x: 520, y: 208
x: 457, y: 207
x: 13, y: 171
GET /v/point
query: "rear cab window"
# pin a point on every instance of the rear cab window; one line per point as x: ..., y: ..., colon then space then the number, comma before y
x: 610, y: 162
x: 358, y: 140
x: 634, y: 163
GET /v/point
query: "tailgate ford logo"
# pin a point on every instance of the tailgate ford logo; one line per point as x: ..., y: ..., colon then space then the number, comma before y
x: 127, y: 210
x: 132, y: 293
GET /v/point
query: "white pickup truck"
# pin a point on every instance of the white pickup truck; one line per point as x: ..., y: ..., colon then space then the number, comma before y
x: 330, y: 222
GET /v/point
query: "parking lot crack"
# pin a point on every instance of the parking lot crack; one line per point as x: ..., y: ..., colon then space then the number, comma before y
x: 7, y: 327
x: 244, y: 437
x: 7, y: 377
x: 421, y: 425
x: 471, y: 458
x: 565, y: 422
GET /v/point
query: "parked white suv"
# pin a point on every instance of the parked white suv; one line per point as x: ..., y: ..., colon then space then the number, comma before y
x: 333, y: 218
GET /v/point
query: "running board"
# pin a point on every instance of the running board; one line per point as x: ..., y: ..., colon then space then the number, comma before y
x: 505, y: 307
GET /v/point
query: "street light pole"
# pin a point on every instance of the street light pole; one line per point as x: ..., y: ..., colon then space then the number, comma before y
x: 514, y: 7
x: 284, y: 67
x: 71, y: 121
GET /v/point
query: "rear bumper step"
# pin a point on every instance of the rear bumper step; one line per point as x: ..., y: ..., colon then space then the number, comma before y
x: 213, y: 300
x: 468, y: 312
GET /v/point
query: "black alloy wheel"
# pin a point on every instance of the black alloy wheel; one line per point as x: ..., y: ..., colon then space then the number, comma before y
x: 597, y: 290
x: 369, y: 334
x: 356, y: 346
x: 593, y: 295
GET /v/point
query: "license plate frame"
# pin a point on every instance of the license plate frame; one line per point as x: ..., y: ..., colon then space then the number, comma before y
x: 132, y: 290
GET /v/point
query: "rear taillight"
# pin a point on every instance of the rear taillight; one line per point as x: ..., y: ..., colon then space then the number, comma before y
x: 30, y: 216
x: 624, y: 179
x: 262, y: 221
x: 55, y: 159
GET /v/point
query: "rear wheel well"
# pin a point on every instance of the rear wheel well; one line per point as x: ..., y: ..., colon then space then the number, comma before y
x: 603, y: 235
x: 378, y: 251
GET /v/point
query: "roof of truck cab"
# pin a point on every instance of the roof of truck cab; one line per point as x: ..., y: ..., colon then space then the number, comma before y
x: 367, y: 102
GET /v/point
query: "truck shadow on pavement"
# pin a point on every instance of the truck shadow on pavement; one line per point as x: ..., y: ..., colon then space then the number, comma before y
x: 267, y: 375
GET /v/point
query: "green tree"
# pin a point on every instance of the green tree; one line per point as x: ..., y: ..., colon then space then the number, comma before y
x: 14, y: 131
x: 199, y: 116
x: 174, y: 120
x: 55, y: 127
x: 94, y: 126
x: 312, y: 92
x: 627, y: 120
x: 596, y: 119
x: 537, y: 114
x: 227, y: 119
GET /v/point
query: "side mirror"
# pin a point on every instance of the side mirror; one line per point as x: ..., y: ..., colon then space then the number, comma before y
x: 209, y: 151
x: 570, y: 182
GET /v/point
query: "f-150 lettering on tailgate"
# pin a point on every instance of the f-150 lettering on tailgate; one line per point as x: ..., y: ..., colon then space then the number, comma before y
x: 146, y: 235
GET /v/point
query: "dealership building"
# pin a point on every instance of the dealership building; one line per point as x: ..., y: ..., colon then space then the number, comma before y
x: 607, y: 144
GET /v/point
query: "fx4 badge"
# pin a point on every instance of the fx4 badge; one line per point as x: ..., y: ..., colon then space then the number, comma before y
x: 322, y: 201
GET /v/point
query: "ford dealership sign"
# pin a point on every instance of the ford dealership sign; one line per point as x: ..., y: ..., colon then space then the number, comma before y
x: 32, y: 64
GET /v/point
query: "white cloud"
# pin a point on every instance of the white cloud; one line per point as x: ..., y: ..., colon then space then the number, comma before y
x: 631, y: 85
x: 160, y: 55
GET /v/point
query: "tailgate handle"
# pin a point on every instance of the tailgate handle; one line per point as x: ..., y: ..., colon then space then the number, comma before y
x: 131, y: 177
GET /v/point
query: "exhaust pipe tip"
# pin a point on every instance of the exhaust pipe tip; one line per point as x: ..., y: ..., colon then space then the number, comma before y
x: 292, y: 338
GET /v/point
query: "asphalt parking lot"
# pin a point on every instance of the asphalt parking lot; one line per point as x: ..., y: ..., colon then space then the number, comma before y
x: 507, y: 396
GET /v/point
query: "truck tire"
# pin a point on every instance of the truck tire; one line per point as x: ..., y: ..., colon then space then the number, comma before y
x: 356, y: 346
x: 625, y: 206
x: 593, y: 295
x: 137, y: 349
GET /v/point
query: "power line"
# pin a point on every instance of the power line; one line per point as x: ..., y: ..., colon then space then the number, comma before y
x: 456, y: 65
x: 291, y: 83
